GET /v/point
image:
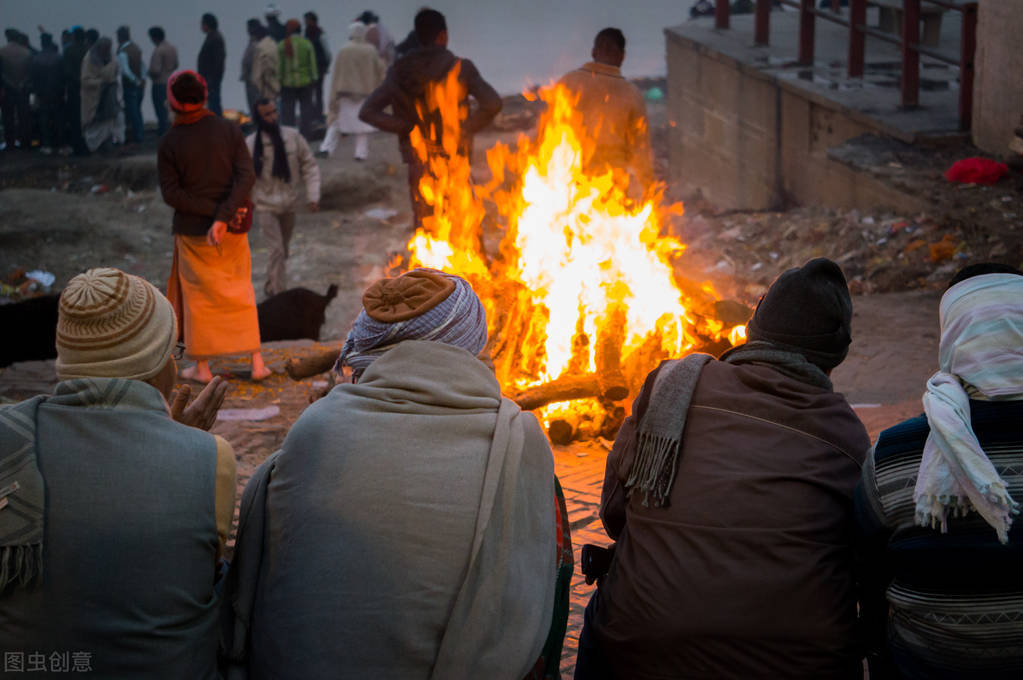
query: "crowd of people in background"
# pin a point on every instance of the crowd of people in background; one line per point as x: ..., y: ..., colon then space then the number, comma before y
x: 84, y: 92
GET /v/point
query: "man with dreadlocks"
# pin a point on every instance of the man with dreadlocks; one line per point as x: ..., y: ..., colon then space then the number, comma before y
x: 729, y: 492
x: 280, y: 155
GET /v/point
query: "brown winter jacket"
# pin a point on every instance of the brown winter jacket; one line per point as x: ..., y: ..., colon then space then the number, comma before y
x: 205, y: 173
x: 748, y: 572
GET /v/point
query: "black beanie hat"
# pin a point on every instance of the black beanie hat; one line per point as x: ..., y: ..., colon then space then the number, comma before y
x: 807, y: 310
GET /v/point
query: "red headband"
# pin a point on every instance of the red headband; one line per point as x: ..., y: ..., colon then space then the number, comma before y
x: 186, y: 107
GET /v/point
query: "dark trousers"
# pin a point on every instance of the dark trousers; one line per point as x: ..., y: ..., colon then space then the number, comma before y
x: 303, y: 96
x: 17, y: 117
x: 318, y: 106
x: 133, y: 111
x: 590, y: 662
x: 160, y: 106
x: 51, y: 124
x: 213, y: 96
x: 420, y: 208
x: 74, y: 119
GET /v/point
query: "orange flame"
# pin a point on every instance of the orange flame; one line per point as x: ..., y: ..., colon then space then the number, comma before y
x: 582, y: 260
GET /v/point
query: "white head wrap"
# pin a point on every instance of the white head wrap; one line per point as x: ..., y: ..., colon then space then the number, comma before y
x: 981, y: 349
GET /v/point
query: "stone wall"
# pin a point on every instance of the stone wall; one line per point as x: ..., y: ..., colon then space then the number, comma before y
x: 745, y: 140
x: 998, y: 88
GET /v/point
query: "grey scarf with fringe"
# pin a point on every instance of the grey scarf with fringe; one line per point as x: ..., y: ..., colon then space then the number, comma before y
x: 659, y: 433
x: 22, y: 496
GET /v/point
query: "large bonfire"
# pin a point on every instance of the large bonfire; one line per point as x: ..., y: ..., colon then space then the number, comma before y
x: 582, y: 296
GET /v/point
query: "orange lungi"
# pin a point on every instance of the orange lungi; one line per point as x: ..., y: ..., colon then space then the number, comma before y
x: 211, y: 291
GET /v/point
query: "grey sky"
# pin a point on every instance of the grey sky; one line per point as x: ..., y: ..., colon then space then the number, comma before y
x: 513, y: 43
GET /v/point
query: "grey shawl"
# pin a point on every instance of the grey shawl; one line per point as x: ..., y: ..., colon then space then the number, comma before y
x: 407, y: 519
x: 22, y: 496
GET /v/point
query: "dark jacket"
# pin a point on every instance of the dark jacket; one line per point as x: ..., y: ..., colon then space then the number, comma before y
x: 212, y: 55
x: 48, y: 77
x: 276, y: 29
x: 406, y: 85
x: 748, y: 572
x: 73, y: 56
x: 205, y: 173
x: 940, y: 604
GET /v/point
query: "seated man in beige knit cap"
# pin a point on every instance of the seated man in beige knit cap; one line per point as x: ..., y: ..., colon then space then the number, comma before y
x: 408, y: 527
x: 113, y: 515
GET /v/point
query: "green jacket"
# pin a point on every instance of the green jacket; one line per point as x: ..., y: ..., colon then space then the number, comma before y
x: 299, y: 69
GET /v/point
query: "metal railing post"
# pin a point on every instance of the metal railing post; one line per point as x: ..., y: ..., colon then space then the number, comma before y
x: 763, y: 23
x: 910, y: 56
x: 721, y: 14
x: 806, y: 32
x: 968, y: 44
x: 857, y: 37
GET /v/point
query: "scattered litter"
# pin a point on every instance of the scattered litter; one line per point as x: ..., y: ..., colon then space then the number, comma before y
x: 45, y: 279
x: 866, y: 405
x: 248, y: 413
x: 654, y: 94
x: 382, y: 214
x: 99, y: 189
x: 319, y: 384
x: 868, y: 220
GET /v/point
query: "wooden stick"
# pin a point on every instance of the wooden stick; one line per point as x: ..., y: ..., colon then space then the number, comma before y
x: 564, y: 388
x: 305, y: 367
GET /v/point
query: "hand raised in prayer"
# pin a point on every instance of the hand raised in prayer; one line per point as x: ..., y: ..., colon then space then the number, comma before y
x: 216, y: 233
x: 202, y: 412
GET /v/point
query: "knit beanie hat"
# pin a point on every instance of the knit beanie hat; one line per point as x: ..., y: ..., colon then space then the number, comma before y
x: 423, y: 304
x: 807, y: 310
x: 113, y: 325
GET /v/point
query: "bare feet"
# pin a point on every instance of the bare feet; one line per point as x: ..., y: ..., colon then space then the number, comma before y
x: 259, y: 369
x: 199, y: 373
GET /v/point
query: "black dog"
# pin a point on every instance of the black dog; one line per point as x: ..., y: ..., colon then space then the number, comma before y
x: 29, y: 329
x: 294, y: 314
x: 30, y: 326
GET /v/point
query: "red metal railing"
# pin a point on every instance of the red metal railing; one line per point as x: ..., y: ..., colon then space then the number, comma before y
x: 909, y: 41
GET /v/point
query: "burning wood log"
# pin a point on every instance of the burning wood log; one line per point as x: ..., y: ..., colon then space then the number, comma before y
x: 561, y: 432
x: 608, y: 355
x: 299, y: 369
x: 564, y: 388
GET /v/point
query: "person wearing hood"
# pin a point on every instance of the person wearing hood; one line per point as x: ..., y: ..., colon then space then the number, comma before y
x: 729, y: 491
x: 102, y: 113
x: 358, y: 70
x: 280, y: 156
x: 297, y: 59
x: 940, y: 538
x: 405, y: 90
x: 411, y: 525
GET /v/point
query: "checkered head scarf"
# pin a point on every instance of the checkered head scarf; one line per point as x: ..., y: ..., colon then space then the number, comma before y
x: 423, y: 304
